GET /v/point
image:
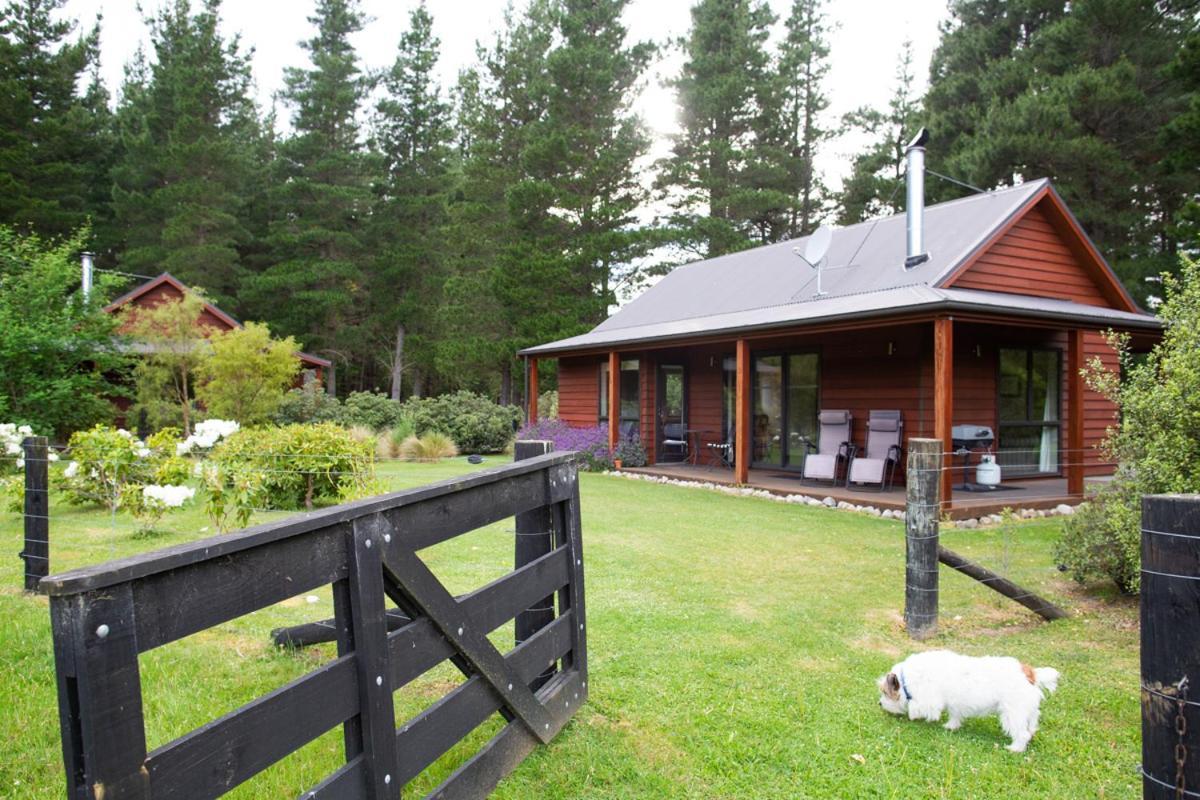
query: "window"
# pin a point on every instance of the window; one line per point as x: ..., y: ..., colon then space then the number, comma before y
x: 1030, y: 385
x: 630, y: 399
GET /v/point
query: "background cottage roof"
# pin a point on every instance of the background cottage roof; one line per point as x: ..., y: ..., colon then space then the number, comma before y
x: 863, y: 275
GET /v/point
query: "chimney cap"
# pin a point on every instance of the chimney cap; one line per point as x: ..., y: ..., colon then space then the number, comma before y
x: 919, y: 140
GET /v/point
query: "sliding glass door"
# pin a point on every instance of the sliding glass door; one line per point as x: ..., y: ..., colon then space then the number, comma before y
x: 786, y: 399
x: 1030, y: 384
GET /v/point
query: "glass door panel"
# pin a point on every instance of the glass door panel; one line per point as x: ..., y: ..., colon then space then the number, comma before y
x: 767, y: 424
x: 803, y: 395
x: 672, y: 410
x: 1030, y: 401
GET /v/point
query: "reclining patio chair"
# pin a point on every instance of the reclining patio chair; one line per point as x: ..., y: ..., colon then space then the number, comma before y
x: 885, y: 432
x: 675, y: 441
x: 832, y: 449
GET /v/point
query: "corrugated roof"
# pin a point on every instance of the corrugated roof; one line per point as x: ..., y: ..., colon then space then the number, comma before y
x: 864, y: 275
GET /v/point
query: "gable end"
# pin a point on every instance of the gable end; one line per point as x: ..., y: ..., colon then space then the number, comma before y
x: 1042, y: 252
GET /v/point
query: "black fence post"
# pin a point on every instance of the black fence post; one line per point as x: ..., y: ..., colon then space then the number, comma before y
x: 534, y: 539
x: 37, y: 511
x: 1170, y: 611
x: 921, y: 537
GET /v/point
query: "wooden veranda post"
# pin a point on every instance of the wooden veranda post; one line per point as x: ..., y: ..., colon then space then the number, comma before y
x: 37, y: 511
x: 921, y: 537
x: 1170, y: 624
x: 743, y: 432
x: 614, y: 399
x: 1074, y: 413
x: 943, y: 391
x: 532, y: 399
x: 534, y: 539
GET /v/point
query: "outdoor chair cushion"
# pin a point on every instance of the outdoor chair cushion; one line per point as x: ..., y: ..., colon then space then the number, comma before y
x: 821, y: 466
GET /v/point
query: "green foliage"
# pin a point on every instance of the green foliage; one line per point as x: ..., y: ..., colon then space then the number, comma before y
x: 58, y: 365
x: 873, y: 187
x: 104, y: 461
x: 231, y: 495
x: 1086, y: 93
x: 373, y: 411
x: 56, y: 142
x: 298, y: 465
x: 321, y: 190
x: 724, y: 188
x: 547, y: 405
x: 1157, y: 442
x: 473, y: 422
x: 631, y: 452
x: 170, y: 336
x: 188, y: 129
x: 245, y: 374
x: 310, y: 404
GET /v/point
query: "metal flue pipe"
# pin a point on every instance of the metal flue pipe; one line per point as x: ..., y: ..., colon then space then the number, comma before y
x: 914, y: 179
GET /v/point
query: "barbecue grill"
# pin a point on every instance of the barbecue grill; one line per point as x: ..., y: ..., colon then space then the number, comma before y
x: 966, y: 439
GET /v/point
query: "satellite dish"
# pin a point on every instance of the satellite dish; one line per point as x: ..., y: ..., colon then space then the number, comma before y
x: 818, y: 245
x: 815, y: 251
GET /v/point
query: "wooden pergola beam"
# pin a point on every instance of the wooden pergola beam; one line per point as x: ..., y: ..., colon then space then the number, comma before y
x: 1075, y: 390
x: 943, y: 394
x: 741, y: 458
x: 532, y: 399
x: 614, y: 399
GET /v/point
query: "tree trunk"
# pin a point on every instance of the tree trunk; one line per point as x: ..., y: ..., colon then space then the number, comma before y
x: 187, y: 402
x: 506, y: 384
x: 398, y: 362
x: 418, y: 383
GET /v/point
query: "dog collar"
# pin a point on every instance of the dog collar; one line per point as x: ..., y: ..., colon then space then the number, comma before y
x: 904, y: 687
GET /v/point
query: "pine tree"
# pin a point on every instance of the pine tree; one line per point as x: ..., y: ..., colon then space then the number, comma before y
x: 491, y: 239
x: 877, y: 173
x: 187, y: 128
x: 414, y: 135
x: 322, y: 197
x: 55, y: 142
x: 719, y: 178
x: 1082, y: 93
x: 803, y: 65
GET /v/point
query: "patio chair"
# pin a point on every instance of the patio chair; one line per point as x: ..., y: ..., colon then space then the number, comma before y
x: 674, y: 441
x: 833, y: 447
x: 721, y: 453
x: 885, y: 432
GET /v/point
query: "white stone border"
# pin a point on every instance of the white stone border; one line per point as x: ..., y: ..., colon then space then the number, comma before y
x: 828, y: 502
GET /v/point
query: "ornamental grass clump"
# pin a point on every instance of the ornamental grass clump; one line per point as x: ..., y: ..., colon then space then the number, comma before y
x: 432, y: 446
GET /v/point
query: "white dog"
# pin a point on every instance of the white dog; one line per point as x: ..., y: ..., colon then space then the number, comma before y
x: 926, y: 684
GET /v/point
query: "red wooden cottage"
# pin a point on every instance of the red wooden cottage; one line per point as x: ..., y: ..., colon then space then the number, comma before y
x: 167, y: 288
x: 983, y: 321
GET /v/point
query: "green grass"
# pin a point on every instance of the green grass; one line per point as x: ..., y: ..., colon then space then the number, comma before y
x: 734, y: 644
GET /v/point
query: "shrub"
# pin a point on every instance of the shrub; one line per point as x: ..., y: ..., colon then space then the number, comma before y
x: 232, y: 495
x: 430, y: 447
x: 298, y: 465
x: 246, y: 373
x: 370, y: 410
x: 310, y: 404
x: 591, y: 443
x: 104, y: 460
x: 631, y: 453
x: 149, y: 503
x: 389, y: 442
x: 1157, y: 443
x: 548, y: 405
x: 475, y: 423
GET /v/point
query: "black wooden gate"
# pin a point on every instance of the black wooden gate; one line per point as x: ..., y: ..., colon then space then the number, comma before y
x: 104, y: 616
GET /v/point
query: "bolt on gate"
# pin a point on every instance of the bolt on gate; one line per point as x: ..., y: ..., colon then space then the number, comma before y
x: 104, y: 616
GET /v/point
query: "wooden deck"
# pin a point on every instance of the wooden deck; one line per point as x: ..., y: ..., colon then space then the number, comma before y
x: 1035, y: 493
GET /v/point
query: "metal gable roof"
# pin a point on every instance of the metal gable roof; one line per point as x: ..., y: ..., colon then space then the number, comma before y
x: 864, y: 275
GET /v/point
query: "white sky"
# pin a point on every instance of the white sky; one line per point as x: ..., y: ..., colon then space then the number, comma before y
x: 864, y: 46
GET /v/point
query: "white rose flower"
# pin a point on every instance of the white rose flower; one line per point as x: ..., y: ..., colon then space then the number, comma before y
x: 142, y: 452
x: 72, y: 470
x: 170, y: 496
x: 53, y: 456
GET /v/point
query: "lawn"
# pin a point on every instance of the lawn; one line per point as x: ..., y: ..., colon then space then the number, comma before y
x: 734, y: 644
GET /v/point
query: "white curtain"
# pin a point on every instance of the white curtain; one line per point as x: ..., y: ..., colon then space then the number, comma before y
x: 1048, y: 458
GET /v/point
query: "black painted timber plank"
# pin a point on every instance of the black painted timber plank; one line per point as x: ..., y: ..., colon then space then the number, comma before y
x: 226, y: 752
x: 184, y: 555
